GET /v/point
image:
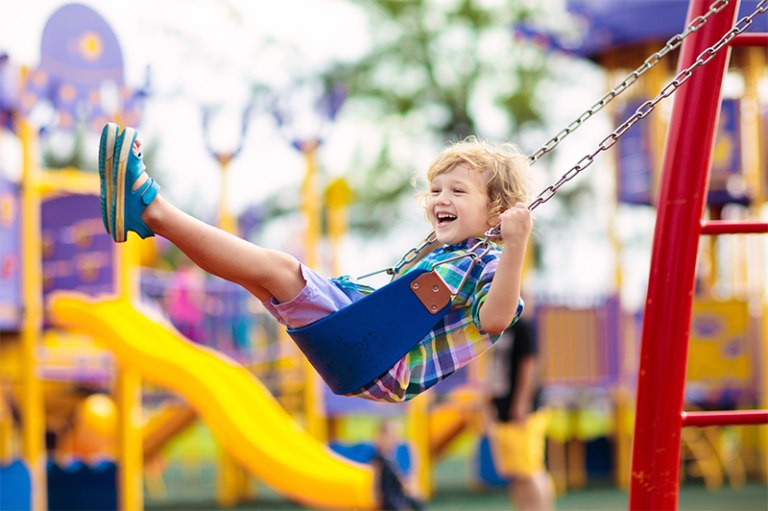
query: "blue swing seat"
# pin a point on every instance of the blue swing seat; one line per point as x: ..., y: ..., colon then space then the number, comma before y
x: 357, y: 344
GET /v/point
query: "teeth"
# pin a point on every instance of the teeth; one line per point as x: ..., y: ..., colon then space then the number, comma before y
x: 444, y: 216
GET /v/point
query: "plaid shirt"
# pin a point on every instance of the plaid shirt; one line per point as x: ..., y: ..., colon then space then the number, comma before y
x: 454, y: 341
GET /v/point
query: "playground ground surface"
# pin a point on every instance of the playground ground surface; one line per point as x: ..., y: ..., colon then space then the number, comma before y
x: 197, y: 492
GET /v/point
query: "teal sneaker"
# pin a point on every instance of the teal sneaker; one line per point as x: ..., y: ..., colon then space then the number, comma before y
x: 106, y: 164
x: 126, y: 205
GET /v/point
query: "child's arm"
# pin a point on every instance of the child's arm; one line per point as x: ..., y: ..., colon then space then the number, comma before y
x: 500, y: 306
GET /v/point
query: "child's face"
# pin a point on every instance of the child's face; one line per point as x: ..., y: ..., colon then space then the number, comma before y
x: 458, y: 207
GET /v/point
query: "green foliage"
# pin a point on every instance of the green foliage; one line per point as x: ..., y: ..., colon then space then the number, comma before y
x: 426, y: 54
x: 438, y: 67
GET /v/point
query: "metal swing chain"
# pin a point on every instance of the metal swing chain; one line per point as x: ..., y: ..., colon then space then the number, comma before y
x: 629, y: 80
x: 647, y: 107
x: 643, y: 111
x: 409, y: 257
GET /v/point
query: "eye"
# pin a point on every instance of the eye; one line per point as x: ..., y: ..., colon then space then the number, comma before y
x: 458, y: 190
x: 435, y: 191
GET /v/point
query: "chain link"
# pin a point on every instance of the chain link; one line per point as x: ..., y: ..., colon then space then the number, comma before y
x: 409, y: 257
x: 643, y: 111
x: 630, y: 79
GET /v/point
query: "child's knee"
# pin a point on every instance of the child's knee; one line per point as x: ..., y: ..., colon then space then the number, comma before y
x: 287, y: 263
x: 284, y: 269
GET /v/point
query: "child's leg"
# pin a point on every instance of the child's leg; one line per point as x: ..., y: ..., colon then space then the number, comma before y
x: 263, y: 272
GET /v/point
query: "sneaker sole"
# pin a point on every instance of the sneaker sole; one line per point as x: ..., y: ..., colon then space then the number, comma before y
x: 121, y: 164
x: 106, y: 162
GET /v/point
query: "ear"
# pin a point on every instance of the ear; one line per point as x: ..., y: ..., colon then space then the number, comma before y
x: 493, y: 220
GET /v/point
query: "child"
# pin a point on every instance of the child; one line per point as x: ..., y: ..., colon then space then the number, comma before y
x: 473, y: 188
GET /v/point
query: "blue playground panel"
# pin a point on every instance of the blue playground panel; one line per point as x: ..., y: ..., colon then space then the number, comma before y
x: 486, y: 470
x: 599, y: 462
x: 15, y: 487
x: 364, y: 453
x: 79, y: 487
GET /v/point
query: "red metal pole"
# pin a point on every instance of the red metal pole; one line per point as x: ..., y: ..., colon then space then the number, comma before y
x: 729, y: 418
x: 750, y: 40
x: 716, y: 227
x: 655, y: 474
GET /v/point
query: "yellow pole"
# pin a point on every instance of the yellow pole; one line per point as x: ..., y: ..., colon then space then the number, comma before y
x: 231, y: 482
x: 226, y: 220
x: 754, y: 169
x: 754, y: 174
x: 130, y: 439
x: 128, y: 391
x: 227, y: 479
x: 127, y: 275
x: 418, y: 434
x: 337, y: 198
x: 32, y: 404
x: 311, y: 208
x: 656, y: 78
x: 623, y: 436
x: 7, y: 451
x: 750, y: 108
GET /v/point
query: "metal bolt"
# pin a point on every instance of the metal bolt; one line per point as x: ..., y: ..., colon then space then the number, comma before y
x: 435, y: 289
x: 415, y: 285
x: 434, y: 308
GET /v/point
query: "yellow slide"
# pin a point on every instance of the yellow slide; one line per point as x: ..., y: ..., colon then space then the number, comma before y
x: 240, y: 412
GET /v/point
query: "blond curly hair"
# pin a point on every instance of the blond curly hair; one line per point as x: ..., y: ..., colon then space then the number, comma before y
x: 504, y: 168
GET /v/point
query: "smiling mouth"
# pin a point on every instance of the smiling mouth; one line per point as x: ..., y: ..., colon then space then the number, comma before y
x: 444, y: 219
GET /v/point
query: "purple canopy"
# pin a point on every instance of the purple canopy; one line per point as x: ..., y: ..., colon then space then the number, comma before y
x: 81, y: 72
x: 609, y: 24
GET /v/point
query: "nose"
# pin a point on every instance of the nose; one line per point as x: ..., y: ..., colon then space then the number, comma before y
x: 441, y: 199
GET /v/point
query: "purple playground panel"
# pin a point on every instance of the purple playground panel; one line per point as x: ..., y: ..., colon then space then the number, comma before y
x: 583, y: 343
x: 212, y: 312
x: 10, y: 260
x: 78, y: 254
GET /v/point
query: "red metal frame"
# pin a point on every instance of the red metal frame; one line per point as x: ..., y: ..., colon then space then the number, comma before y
x: 750, y: 40
x: 730, y: 227
x: 655, y: 473
x: 735, y: 418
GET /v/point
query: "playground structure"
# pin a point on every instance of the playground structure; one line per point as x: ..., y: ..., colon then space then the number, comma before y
x: 680, y: 221
x: 104, y: 319
x: 631, y: 38
x: 154, y: 336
